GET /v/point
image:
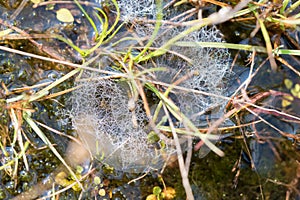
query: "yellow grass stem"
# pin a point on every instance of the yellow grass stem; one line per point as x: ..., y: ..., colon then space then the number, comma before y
x: 159, y: 17
x: 267, y: 41
x: 37, y: 130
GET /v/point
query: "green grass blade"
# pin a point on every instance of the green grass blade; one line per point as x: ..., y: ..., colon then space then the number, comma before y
x: 287, y: 52
x: 42, y: 136
x: 293, y: 7
x: 20, y: 155
x: 283, y: 7
x: 159, y: 17
x: 267, y: 41
x: 244, y: 47
x: 164, y: 48
x: 87, y: 16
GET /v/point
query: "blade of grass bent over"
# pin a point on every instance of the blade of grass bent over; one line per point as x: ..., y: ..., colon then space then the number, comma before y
x: 159, y: 17
x: 267, y: 41
x: 37, y: 130
x: 87, y: 16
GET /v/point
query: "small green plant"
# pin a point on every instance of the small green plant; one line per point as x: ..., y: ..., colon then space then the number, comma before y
x: 294, y: 93
x: 167, y: 193
x: 156, y: 194
x: 64, y: 180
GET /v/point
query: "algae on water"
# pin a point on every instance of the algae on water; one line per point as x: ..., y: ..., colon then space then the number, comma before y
x: 118, y: 134
x: 112, y: 131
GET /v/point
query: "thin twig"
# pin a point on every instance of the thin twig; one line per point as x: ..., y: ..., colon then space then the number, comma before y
x: 18, y: 10
x: 183, y: 171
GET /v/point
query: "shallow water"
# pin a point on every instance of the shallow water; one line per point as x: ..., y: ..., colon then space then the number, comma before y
x: 263, y: 161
